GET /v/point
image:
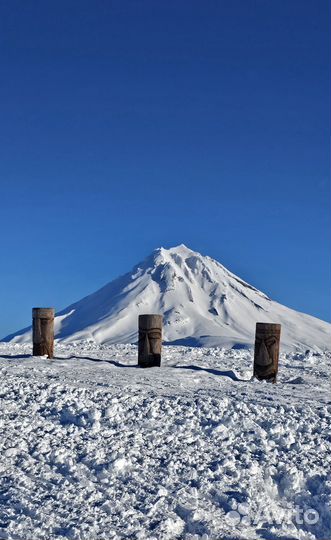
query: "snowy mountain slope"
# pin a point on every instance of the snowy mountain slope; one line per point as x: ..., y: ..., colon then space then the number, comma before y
x: 202, y: 303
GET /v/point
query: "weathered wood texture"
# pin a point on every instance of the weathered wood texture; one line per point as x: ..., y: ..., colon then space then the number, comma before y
x: 150, y: 340
x: 43, y: 331
x: 266, y: 352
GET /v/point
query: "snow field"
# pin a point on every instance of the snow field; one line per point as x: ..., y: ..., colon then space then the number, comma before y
x: 94, y: 448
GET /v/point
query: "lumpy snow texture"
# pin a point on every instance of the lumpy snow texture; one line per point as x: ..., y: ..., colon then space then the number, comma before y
x: 201, y: 301
x: 94, y: 448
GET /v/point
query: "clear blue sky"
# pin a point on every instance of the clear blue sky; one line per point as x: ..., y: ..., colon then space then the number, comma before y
x: 126, y: 125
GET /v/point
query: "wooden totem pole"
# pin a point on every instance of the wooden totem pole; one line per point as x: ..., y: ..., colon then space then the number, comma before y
x: 266, y: 352
x: 43, y: 331
x: 150, y: 340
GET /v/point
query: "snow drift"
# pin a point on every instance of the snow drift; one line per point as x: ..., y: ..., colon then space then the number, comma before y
x: 93, y: 448
x: 202, y: 302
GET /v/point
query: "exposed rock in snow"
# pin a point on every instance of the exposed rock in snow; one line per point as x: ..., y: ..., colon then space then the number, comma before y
x: 202, y: 303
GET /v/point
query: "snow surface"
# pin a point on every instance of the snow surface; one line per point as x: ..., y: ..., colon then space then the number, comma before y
x: 94, y: 448
x: 202, y: 303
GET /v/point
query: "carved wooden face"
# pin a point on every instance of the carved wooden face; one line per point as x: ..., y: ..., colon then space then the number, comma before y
x: 41, y: 327
x: 266, y: 350
x: 150, y: 342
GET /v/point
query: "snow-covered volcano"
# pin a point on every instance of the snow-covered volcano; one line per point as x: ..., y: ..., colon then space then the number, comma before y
x: 202, y: 303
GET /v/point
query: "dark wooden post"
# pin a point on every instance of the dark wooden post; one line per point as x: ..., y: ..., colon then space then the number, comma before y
x: 266, y: 351
x: 43, y: 331
x: 150, y: 340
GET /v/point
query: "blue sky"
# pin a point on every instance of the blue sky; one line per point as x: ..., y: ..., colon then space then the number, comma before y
x: 127, y: 125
